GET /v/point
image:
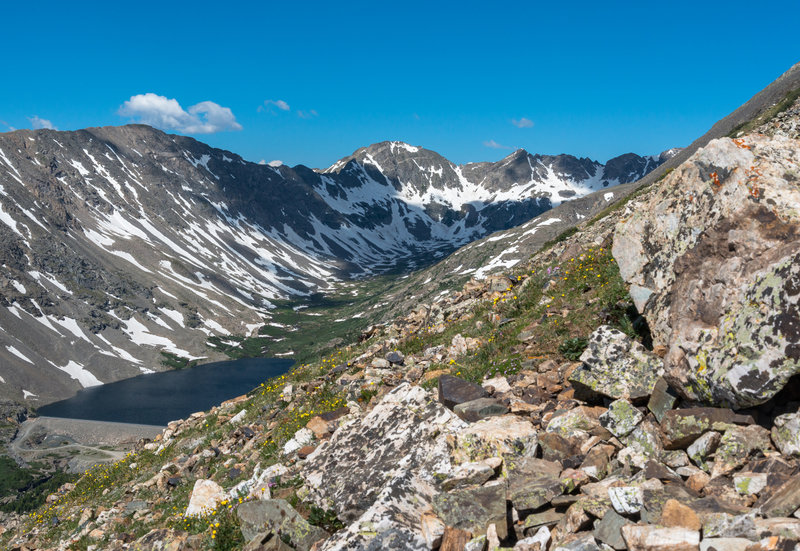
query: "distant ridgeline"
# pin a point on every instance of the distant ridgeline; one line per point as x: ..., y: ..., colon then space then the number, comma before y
x: 123, y: 243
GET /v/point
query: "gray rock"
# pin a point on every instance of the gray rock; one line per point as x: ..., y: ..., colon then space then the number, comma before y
x: 727, y: 525
x: 534, y: 521
x: 395, y: 357
x: 474, y: 509
x: 717, y: 245
x: 616, y: 366
x: 725, y: 544
x: 681, y: 427
x: 532, y: 482
x: 495, y: 437
x: 702, y: 448
x: 621, y: 418
x: 786, y: 433
x: 475, y: 410
x: 266, y: 541
x: 277, y: 516
x: 609, y: 529
x: 467, y: 475
x: 454, y: 391
x: 736, y: 445
x: 476, y: 544
x: 658, y: 538
x: 626, y: 500
x: 782, y: 501
x: 662, y: 399
x: 577, y: 542
x: 748, y: 483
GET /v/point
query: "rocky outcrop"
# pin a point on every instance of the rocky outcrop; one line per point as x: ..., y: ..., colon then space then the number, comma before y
x: 379, y: 471
x: 713, y: 263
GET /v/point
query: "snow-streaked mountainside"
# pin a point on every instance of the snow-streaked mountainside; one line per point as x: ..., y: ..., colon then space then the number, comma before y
x: 119, y: 242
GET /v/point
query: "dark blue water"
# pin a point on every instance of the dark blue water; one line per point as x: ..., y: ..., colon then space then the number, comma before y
x: 158, y: 398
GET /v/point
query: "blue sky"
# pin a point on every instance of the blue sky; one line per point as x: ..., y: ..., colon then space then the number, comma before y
x: 466, y: 79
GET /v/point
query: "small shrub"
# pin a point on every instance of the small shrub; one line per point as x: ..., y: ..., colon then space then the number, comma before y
x: 572, y: 349
x: 324, y: 519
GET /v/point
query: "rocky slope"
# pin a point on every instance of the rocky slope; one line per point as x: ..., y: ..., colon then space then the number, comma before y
x: 120, y: 243
x: 536, y: 410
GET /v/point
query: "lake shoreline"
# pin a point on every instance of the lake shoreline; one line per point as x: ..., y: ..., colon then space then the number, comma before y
x: 155, y: 399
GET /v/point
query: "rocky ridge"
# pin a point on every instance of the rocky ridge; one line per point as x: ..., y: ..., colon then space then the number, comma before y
x: 483, y: 420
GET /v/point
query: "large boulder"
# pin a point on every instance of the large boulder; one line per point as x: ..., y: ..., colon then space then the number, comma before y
x: 379, y: 471
x: 713, y: 261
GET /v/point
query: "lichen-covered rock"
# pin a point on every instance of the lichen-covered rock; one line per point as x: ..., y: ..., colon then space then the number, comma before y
x: 702, y: 448
x: 277, y: 516
x: 494, y: 437
x: 713, y: 263
x: 578, y: 421
x: 616, y: 366
x: 533, y: 482
x: 621, y: 418
x: 467, y: 475
x: 378, y: 471
x: 786, y: 433
x: 681, y: 427
x: 626, y: 500
x: 643, y: 444
x: 474, y: 509
x: 782, y: 501
x: 736, y: 445
x: 748, y: 483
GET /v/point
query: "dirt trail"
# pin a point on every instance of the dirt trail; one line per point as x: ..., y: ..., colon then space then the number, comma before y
x: 83, y: 441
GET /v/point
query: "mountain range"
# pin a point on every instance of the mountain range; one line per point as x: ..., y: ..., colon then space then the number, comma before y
x: 118, y: 243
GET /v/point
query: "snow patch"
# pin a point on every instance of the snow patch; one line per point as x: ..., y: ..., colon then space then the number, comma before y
x: 18, y: 354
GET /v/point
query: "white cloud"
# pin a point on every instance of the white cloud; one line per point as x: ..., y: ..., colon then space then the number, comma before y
x: 11, y: 128
x: 494, y: 145
x: 279, y: 103
x: 205, y: 117
x: 38, y: 123
x: 262, y: 162
x: 276, y: 163
x: 522, y: 123
x: 307, y: 114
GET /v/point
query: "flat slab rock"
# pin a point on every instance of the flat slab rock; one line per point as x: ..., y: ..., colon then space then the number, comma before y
x: 500, y: 436
x: 474, y: 509
x: 532, y: 483
x: 454, y: 390
x: 475, y: 410
x: 681, y: 427
x: 616, y: 366
x: 659, y: 538
x: 712, y: 258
